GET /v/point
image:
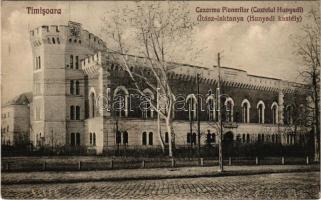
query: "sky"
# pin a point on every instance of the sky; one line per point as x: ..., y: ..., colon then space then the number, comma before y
x: 263, y: 49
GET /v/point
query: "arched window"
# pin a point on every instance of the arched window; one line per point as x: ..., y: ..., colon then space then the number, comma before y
x: 125, y: 137
x: 194, y: 138
x: 77, y: 112
x: 259, y: 138
x: 94, y: 139
x: 248, y: 138
x: 144, y: 138
x: 78, y: 139
x: 246, y: 111
x: 289, y: 114
x: 58, y: 41
x: 150, y: 138
x: 72, y: 139
x: 118, y: 137
x: 71, y: 87
x: 90, y: 138
x: 274, y: 109
x: 229, y: 107
x: 166, y: 137
x: 273, y: 138
x: 77, y: 88
x: 121, y: 101
x: 261, y: 108
x: 72, y: 112
x: 243, y: 138
x: 191, y: 102
x: 147, y: 111
x: 211, y: 108
x: 92, y: 103
x: 53, y: 41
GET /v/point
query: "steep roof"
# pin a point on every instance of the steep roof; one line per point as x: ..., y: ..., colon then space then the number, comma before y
x: 22, y: 99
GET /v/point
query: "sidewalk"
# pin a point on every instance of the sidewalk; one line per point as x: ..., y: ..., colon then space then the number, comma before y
x: 143, y: 174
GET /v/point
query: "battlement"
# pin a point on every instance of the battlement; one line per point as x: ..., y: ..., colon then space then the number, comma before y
x: 229, y: 76
x: 72, y: 34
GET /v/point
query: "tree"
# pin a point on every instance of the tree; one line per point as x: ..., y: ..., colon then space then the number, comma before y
x: 153, y: 31
x: 307, y: 47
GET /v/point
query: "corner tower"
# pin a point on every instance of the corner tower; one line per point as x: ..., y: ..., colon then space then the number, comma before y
x: 59, y: 83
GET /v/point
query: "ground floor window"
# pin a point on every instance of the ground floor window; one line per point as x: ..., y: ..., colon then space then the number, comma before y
x: 166, y: 137
x: 75, y: 139
x: 144, y: 138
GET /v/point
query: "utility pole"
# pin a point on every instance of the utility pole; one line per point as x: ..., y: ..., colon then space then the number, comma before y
x: 198, y: 120
x: 52, y: 138
x: 218, y: 94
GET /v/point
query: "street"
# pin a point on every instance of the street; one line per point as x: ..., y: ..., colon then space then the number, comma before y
x: 303, y: 185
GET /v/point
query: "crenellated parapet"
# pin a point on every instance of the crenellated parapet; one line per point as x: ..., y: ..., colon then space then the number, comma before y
x: 72, y: 34
x: 91, y: 64
x: 229, y: 76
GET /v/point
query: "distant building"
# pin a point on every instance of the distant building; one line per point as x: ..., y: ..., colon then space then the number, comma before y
x: 72, y: 69
x: 15, y: 120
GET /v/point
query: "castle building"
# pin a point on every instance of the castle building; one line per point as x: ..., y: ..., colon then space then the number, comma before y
x: 75, y: 74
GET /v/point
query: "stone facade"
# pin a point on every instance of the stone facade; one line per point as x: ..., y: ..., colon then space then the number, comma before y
x: 68, y: 98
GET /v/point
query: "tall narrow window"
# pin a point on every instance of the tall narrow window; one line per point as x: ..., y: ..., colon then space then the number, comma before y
x: 144, y: 138
x: 261, y: 107
x: 125, y: 137
x: 118, y: 137
x: 150, y: 138
x: 210, y: 108
x: 191, y: 101
x: 288, y: 114
x: 194, y: 138
x: 274, y: 109
x: 78, y: 139
x: 71, y: 87
x: 229, y: 107
x: 77, y: 112
x: 72, y: 139
x: 246, y: 111
x: 72, y: 112
x: 121, y: 101
x: 147, y: 111
x: 77, y: 88
x: 77, y: 62
x: 39, y: 62
x: 92, y: 104
x: 247, y: 138
x: 166, y: 137
x: 71, y: 61
x: 189, y: 138
x: 90, y: 138
x: 94, y: 139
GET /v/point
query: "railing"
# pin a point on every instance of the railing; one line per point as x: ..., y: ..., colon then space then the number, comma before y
x: 76, y: 165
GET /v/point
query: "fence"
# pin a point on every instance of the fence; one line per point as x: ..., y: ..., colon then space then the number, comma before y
x: 132, y: 163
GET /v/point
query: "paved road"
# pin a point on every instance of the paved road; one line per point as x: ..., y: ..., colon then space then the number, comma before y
x: 277, y: 186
